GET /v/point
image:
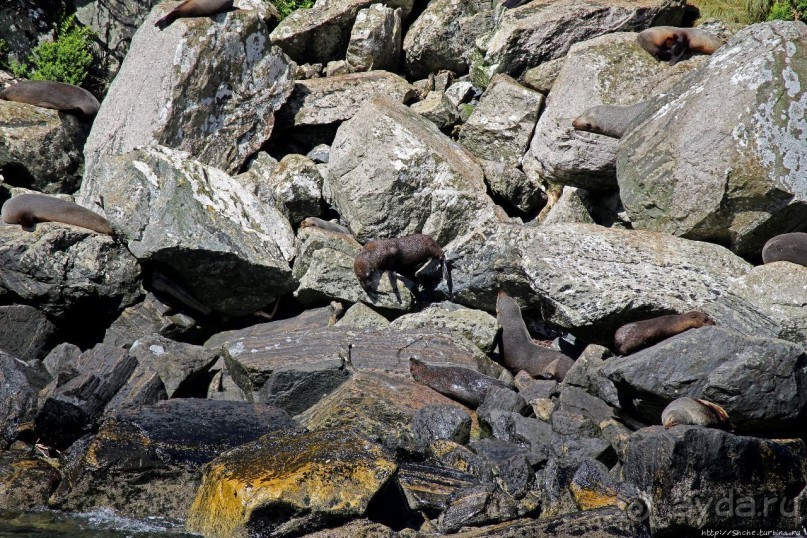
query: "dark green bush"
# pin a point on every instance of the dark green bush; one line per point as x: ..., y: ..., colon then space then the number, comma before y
x: 788, y: 10
x: 287, y: 7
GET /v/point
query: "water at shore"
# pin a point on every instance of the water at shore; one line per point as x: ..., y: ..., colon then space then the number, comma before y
x: 98, y: 524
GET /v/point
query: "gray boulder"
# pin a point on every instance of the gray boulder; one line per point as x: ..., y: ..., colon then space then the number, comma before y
x: 393, y: 173
x: 25, y: 332
x: 181, y: 367
x: 434, y: 422
x: 199, y: 222
x: 375, y: 40
x: 19, y: 386
x: 169, y: 92
x: 293, y: 186
x: 760, y: 382
x: 512, y: 186
x: 477, y: 326
x: 542, y: 31
x: 41, y: 148
x: 438, y: 109
x: 152, y: 316
x: 743, y: 180
x: 570, y: 207
x: 586, y: 277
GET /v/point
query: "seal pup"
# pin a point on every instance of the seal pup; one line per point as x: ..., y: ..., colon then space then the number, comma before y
x: 28, y: 209
x: 609, y: 120
x: 194, y: 8
x: 53, y: 95
x: 519, y: 352
x: 464, y: 385
x: 671, y: 44
x: 641, y: 334
x: 397, y: 254
x: 790, y: 247
x: 315, y: 222
x: 694, y: 412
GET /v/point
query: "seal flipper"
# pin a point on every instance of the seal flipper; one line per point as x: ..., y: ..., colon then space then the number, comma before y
x: 679, y: 49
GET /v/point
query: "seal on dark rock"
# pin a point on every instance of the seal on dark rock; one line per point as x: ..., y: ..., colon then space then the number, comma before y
x: 695, y: 412
x: 790, y: 247
x: 671, y: 44
x: 28, y: 209
x: 519, y: 351
x: 609, y: 120
x: 194, y: 8
x: 399, y: 254
x: 54, y: 95
x: 315, y: 222
x: 641, y: 334
x: 464, y: 385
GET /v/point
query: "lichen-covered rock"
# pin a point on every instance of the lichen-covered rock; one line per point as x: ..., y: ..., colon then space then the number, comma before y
x: 151, y: 316
x: 146, y: 461
x: 760, y: 382
x: 569, y: 208
x: 25, y: 332
x: 313, y: 479
x: 438, y: 109
x: 179, y: 366
x: 206, y: 85
x: 66, y: 270
x: 512, y: 186
x: 743, y: 180
x: 26, y: 482
x: 477, y: 326
x: 502, y: 124
x: 375, y: 40
x: 230, y: 250
x: 293, y: 186
x: 702, y: 478
x: 361, y: 316
x: 40, y: 148
x: 542, y: 77
x: 323, y: 101
x: 393, y: 173
x: 542, y: 31
x: 587, y: 277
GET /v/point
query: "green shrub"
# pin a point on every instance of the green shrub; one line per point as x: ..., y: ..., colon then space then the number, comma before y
x: 781, y: 10
x: 287, y: 7
x: 758, y: 9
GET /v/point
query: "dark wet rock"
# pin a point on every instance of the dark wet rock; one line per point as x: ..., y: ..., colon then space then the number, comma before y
x: 314, y: 479
x: 74, y: 408
x: 183, y: 368
x: 19, y: 384
x: 25, y: 332
x: 60, y: 358
x: 502, y: 399
x: 694, y: 478
x: 585, y: 373
x: 537, y: 389
x: 530, y: 433
x: 758, y: 381
x: 477, y: 505
x: 147, y: 460
x: 223, y: 387
x: 434, y: 422
x: 430, y: 488
x: 474, y: 462
x: 357, y: 527
x: 144, y: 387
x: 604, y: 523
x: 151, y: 316
x: 516, y: 475
x: 26, y: 481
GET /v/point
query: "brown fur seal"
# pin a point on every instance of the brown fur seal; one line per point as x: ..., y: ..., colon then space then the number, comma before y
x: 28, y: 209
x: 55, y: 95
x: 695, y: 412
x: 194, y: 8
x: 464, y: 385
x: 641, y: 334
x: 790, y: 247
x: 314, y: 222
x: 609, y: 120
x: 396, y: 254
x: 519, y: 352
x: 672, y: 44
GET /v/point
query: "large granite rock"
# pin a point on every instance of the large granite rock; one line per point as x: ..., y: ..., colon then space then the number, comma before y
x: 206, y: 85
x: 375, y: 40
x: 230, y: 251
x: 743, y: 180
x: 477, y: 326
x: 586, y: 277
x: 393, y: 173
x: 312, y: 479
x: 40, y: 148
x: 542, y: 31
x: 760, y: 382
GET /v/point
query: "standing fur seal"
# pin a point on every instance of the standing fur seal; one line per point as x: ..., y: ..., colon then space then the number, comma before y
x: 609, y: 120
x: 464, y: 385
x: 194, y: 8
x: 28, y: 209
x: 791, y: 247
x: 671, y: 44
x: 695, y: 412
x: 397, y: 254
x: 519, y: 352
x: 641, y: 334
x: 55, y: 95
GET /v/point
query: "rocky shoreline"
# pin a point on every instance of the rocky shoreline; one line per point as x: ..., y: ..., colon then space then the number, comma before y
x: 217, y: 361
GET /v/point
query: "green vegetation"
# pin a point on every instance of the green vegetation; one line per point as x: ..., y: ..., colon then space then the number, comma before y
x: 287, y: 7
x: 788, y: 10
x: 67, y: 59
x: 727, y: 10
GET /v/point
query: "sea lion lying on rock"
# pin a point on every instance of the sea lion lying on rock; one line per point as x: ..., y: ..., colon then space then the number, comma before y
x: 194, y: 8
x: 397, y: 254
x: 28, y: 209
x: 519, y: 352
x: 315, y: 222
x: 672, y: 44
x: 609, y: 120
x: 464, y: 385
x: 695, y: 412
x: 641, y: 334
x: 790, y: 247
x: 54, y: 95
